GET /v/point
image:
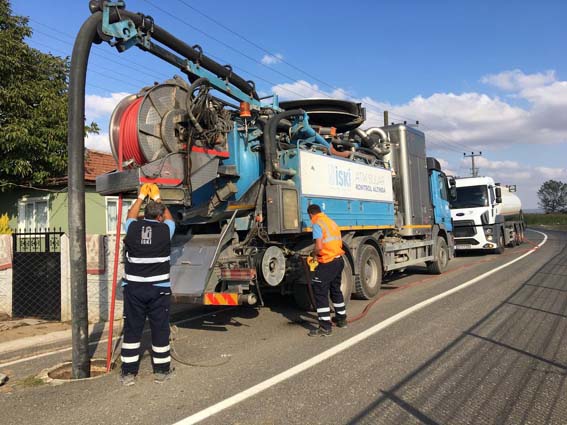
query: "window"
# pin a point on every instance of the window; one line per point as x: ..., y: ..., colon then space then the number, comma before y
x: 33, y: 213
x: 112, y: 213
x: 443, y: 190
x: 471, y: 197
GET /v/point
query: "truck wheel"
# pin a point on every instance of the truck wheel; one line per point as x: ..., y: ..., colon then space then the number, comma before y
x: 439, y: 265
x: 347, y: 281
x: 369, y: 281
x: 500, y: 249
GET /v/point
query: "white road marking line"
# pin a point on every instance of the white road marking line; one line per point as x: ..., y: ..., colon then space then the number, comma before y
x: 62, y: 350
x: 256, y: 389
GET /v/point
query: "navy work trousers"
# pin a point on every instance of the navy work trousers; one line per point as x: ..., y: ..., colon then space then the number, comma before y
x: 140, y: 301
x: 327, y: 278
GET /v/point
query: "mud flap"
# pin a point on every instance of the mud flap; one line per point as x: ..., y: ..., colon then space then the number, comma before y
x: 193, y: 258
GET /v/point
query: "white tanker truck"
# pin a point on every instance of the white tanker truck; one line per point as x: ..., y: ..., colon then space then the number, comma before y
x: 486, y: 216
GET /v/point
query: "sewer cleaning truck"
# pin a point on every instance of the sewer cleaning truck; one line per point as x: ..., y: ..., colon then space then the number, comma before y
x: 238, y: 175
x: 486, y: 216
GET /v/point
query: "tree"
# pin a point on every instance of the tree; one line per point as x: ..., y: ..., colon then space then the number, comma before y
x: 33, y: 106
x: 553, y: 196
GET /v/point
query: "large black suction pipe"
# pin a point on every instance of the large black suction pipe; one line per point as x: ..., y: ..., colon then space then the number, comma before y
x: 270, y: 132
x: 76, y: 172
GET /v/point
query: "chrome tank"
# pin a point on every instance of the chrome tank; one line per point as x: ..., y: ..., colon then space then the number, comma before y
x: 411, y: 181
x: 511, y: 204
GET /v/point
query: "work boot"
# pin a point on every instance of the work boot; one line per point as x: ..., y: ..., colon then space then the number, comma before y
x: 162, y: 376
x: 320, y: 332
x: 340, y: 321
x: 127, y: 379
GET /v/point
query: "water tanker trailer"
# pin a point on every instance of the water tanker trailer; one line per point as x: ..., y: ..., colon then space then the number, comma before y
x: 486, y: 216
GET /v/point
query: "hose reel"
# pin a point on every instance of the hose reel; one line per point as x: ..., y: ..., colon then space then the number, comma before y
x: 148, y: 124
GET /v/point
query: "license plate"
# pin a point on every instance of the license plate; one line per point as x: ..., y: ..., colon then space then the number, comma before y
x: 463, y: 246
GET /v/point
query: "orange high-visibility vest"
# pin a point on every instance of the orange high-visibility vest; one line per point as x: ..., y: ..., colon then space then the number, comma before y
x: 332, y: 241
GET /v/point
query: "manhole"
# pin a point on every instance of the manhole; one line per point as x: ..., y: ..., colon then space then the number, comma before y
x: 61, y: 373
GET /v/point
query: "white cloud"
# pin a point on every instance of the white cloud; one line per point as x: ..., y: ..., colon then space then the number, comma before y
x: 301, y: 89
x: 551, y: 173
x: 482, y: 162
x: 459, y: 122
x: 516, y: 80
x: 470, y: 121
x: 101, y: 106
x: 98, y: 142
x: 272, y: 59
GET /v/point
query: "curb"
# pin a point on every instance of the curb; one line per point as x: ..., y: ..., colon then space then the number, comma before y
x: 40, y: 341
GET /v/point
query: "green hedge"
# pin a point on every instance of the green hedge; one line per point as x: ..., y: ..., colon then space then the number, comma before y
x: 546, y: 218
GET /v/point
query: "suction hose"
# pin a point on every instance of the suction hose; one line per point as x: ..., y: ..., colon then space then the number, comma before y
x: 269, y: 139
x: 76, y: 192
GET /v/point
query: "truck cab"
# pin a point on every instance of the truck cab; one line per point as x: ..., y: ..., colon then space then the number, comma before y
x: 481, y: 220
x: 440, y: 188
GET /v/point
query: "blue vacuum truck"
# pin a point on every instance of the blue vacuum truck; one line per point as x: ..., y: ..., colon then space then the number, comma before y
x: 238, y: 175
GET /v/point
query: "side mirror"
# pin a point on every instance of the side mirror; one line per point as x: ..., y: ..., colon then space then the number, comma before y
x: 452, y: 188
x: 498, y: 191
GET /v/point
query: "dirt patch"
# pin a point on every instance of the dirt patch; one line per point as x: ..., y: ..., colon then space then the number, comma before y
x: 11, y: 330
x: 61, y: 373
x: 98, y: 368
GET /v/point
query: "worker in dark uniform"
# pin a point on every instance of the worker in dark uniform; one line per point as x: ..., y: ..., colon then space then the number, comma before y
x: 327, y: 277
x: 146, y: 283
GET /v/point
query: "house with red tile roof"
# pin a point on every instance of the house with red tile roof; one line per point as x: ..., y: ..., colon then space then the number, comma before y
x: 45, y: 207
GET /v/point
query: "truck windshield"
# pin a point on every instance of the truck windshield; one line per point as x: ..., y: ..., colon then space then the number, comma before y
x: 471, y: 197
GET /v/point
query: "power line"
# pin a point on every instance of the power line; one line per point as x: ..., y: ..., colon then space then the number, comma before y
x: 367, y: 104
x: 220, y: 24
x: 129, y: 64
x: 215, y: 21
x: 112, y: 71
x: 218, y: 59
x: 234, y: 49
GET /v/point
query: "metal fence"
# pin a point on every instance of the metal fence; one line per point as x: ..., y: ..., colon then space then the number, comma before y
x: 36, y: 288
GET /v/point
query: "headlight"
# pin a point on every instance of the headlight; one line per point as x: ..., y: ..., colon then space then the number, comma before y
x: 488, y: 231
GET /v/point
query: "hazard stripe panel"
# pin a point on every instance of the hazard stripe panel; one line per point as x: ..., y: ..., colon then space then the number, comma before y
x: 220, y: 298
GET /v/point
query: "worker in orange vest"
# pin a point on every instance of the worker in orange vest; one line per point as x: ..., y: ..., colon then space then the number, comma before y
x: 327, y: 277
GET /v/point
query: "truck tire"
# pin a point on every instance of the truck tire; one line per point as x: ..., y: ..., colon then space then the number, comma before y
x: 500, y: 249
x: 369, y: 281
x: 514, y: 240
x: 347, y: 281
x: 439, y: 265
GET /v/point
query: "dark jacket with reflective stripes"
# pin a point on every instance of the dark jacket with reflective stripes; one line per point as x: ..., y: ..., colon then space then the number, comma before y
x: 147, y: 248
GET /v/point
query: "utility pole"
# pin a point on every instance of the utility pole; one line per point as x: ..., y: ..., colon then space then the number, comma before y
x: 474, y: 170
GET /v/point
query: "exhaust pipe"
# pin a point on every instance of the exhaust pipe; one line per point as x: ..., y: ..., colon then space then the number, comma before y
x: 249, y: 299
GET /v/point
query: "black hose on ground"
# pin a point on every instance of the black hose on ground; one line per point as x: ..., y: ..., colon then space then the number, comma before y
x: 181, y: 360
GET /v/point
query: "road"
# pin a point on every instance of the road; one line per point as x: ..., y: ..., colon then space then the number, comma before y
x: 491, y: 352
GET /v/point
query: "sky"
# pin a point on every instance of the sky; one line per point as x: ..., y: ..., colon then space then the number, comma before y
x: 479, y: 76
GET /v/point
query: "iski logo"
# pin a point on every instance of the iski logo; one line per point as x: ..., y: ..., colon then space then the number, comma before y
x: 146, y: 235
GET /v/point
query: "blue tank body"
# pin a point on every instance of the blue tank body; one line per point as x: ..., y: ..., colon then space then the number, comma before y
x: 246, y: 157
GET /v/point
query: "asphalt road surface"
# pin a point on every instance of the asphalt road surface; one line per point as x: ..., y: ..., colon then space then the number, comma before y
x: 492, y: 351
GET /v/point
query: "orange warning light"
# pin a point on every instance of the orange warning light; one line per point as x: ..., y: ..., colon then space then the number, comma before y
x: 245, y: 110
